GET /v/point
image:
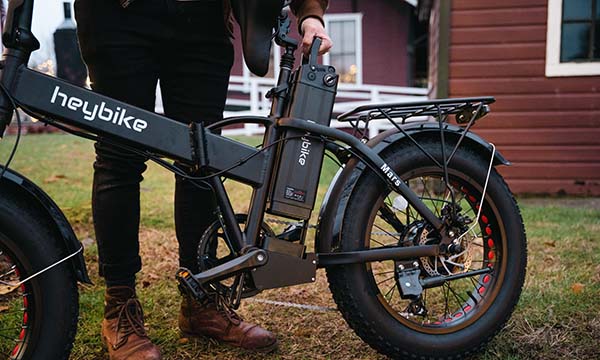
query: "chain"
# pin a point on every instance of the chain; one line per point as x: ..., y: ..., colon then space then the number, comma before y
x: 312, y: 226
x: 293, y: 305
x: 282, y: 222
x: 385, y: 233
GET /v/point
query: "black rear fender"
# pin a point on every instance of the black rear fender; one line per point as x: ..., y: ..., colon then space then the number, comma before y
x: 332, y: 210
x: 16, y: 188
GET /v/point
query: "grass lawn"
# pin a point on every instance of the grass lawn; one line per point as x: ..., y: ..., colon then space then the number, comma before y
x: 558, y: 315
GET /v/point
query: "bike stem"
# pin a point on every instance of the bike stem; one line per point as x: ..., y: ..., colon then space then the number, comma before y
x: 19, y: 43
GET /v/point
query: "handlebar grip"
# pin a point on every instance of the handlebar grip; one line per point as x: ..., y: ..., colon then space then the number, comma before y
x: 314, y: 52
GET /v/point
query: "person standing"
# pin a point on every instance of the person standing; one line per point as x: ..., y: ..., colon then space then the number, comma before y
x: 128, y: 46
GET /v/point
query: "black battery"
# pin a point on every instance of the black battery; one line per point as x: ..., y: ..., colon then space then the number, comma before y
x: 297, y: 174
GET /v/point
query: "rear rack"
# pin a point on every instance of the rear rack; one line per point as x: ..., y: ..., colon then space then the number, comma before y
x: 466, y: 109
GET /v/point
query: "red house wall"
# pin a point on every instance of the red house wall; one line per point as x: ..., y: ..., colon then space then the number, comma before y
x: 385, y: 40
x: 548, y: 127
x: 385, y: 26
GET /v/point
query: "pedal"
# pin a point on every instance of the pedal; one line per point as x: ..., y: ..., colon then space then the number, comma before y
x: 188, y: 285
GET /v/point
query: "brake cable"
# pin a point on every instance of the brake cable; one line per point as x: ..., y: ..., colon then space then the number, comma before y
x: 43, y: 270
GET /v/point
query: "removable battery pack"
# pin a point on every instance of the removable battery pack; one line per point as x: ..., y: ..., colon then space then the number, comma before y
x: 301, y: 154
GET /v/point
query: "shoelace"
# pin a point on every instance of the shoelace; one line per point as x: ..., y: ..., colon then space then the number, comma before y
x: 130, y: 320
x: 225, y: 311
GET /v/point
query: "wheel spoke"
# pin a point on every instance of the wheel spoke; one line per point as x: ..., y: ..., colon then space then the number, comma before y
x: 8, y: 337
x: 6, y: 312
x: 434, y: 312
x: 384, y: 272
x: 384, y: 280
x: 8, y: 355
x: 429, y: 196
x: 446, y: 291
x: 387, y: 232
x: 12, y: 328
x: 390, y: 292
x: 459, y: 300
x: 12, y: 271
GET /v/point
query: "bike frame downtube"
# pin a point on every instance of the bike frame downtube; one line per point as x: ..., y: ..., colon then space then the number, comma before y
x: 375, y: 161
x: 229, y: 221
x: 272, y: 135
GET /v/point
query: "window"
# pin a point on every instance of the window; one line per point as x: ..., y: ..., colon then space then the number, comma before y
x: 580, y: 40
x: 345, y: 31
x: 573, y: 38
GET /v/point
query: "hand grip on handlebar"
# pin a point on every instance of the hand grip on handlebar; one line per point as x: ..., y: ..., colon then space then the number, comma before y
x: 314, y: 52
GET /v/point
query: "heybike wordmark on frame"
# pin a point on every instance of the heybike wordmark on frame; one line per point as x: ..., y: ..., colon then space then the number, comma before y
x: 102, y: 112
x: 304, y: 150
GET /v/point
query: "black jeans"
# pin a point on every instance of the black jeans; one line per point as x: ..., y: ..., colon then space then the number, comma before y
x: 185, y: 45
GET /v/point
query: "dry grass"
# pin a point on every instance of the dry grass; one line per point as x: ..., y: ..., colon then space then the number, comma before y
x: 303, y: 334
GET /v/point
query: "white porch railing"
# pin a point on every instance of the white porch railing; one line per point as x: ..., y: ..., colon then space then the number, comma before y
x: 248, y: 94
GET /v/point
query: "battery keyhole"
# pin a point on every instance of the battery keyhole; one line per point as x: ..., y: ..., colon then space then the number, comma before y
x: 329, y: 79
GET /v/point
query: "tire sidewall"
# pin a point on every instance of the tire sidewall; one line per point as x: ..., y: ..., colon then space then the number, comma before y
x: 54, y: 293
x: 385, y: 326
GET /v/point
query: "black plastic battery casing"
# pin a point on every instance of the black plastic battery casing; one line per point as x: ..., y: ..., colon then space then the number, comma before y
x: 313, y: 88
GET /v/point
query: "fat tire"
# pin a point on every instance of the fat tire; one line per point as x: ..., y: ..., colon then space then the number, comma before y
x: 353, y: 293
x: 35, y: 244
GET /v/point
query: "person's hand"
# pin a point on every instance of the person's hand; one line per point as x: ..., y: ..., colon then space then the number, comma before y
x: 312, y: 27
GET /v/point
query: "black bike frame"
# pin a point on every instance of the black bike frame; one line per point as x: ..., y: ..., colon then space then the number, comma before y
x: 57, y: 102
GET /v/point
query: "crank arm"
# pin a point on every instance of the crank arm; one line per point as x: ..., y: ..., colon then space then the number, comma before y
x: 441, y: 280
x: 247, y: 261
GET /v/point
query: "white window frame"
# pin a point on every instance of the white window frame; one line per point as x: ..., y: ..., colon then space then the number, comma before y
x: 553, y: 38
x: 357, y: 18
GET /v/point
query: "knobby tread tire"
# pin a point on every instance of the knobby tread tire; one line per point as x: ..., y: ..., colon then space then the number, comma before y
x: 29, y: 235
x: 344, y: 284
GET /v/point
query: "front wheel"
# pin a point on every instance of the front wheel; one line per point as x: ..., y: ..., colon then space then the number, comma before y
x: 452, y: 319
x: 38, y: 318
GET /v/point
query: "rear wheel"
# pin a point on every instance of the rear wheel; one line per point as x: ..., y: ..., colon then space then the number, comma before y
x: 38, y: 319
x: 457, y: 317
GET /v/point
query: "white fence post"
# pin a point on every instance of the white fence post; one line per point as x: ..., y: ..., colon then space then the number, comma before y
x: 250, y: 94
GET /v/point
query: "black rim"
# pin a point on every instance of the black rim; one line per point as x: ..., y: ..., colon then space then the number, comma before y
x: 16, y: 310
x: 455, y: 304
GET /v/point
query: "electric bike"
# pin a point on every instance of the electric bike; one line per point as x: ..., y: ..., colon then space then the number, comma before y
x: 422, y: 241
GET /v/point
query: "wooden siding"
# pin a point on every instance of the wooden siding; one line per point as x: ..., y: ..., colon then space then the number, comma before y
x: 434, y: 35
x: 385, y: 36
x: 549, y: 128
x: 385, y: 40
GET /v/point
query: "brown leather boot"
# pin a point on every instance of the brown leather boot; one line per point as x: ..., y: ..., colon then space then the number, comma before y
x: 220, y: 323
x: 123, y: 330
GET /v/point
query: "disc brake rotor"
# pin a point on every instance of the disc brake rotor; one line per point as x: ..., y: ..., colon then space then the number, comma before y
x: 449, y: 263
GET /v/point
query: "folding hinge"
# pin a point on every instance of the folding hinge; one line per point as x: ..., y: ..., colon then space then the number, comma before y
x: 198, y: 141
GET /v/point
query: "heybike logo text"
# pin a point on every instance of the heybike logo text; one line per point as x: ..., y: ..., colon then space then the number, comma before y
x: 93, y: 111
x: 304, y: 150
